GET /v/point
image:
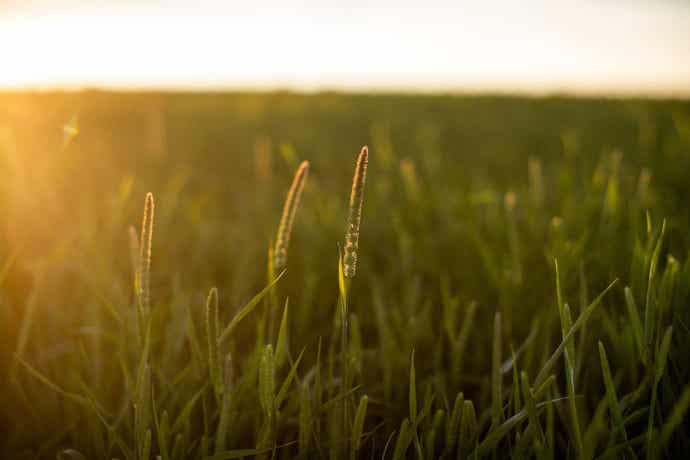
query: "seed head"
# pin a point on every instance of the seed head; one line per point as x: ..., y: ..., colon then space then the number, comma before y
x: 144, y: 271
x: 288, y: 218
x: 354, y: 218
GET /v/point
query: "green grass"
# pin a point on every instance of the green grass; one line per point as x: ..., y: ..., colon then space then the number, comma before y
x: 522, y: 282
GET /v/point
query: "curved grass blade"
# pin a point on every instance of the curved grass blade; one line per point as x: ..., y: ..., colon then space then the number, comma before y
x: 244, y: 311
x: 282, y: 393
x: 546, y: 369
x: 612, y: 398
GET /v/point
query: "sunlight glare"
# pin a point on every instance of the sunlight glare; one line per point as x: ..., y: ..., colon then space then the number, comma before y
x: 567, y: 45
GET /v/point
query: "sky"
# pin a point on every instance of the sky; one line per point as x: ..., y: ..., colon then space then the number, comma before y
x: 540, y: 46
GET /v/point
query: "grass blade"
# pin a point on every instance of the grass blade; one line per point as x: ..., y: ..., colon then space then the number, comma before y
x: 244, y: 311
x: 358, y: 426
x: 214, y: 365
x: 635, y: 323
x: 650, y: 305
x: 282, y: 393
x: 282, y: 341
x: 543, y: 373
x: 659, y: 369
x: 496, y: 377
x: 611, y: 397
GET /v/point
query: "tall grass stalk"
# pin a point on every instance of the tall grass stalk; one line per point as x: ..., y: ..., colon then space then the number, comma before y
x: 347, y: 266
x: 569, y: 358
x: 278, y: 251
x: 134, y: 259
x: 212, y: 335
x: 226, y: 406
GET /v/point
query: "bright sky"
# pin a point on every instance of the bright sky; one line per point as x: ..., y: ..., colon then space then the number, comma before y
x: 611, y: 46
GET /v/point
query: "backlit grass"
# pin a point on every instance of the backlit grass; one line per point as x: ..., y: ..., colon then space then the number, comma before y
x: 513, y: 280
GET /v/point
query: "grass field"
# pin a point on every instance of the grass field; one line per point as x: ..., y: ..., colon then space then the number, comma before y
x: 522, y: 287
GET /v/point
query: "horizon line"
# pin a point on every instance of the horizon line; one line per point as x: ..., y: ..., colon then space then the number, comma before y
x: 584, y: 91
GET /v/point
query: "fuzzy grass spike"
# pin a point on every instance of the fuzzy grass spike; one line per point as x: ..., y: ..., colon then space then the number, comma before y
x: 144, y: 270
x: 287, y: 219
x: 354, y: 218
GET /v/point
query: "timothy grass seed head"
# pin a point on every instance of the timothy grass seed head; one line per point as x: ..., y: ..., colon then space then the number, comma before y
x: 354, y: 218
x: 288, y: 218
